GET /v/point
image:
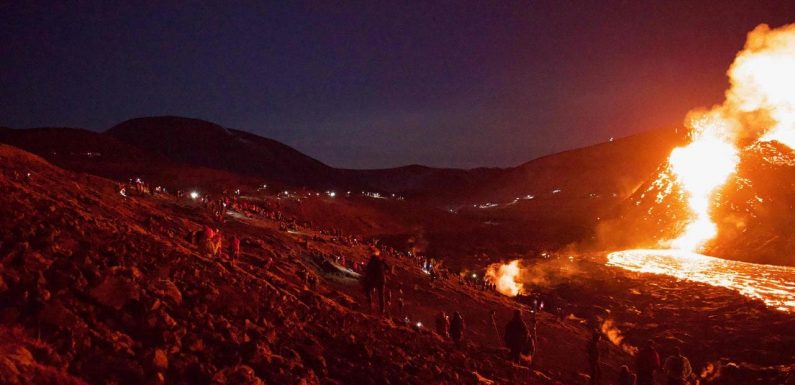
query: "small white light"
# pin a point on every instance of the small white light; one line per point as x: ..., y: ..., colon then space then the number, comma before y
x: 419, y: 324
x: 474, y: 275
x: 194, y: 195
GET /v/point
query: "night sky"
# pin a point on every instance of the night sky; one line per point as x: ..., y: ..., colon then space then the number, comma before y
x: 371, y: 84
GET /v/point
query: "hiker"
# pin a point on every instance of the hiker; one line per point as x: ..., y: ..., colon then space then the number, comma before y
x: 516, y: 336
x: 625, y: 377
x: 646, y: 363
x: 375, y: 279
x: 235, y: 247
x: 457, y: 328
x: 443, y: 325
x: 593, y: 357
x: 677, y: 368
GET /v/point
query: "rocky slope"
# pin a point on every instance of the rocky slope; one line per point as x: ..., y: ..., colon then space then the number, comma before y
x: 98, y: 288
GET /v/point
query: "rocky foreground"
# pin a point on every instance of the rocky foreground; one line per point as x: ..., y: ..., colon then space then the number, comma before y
x: 98, y: 288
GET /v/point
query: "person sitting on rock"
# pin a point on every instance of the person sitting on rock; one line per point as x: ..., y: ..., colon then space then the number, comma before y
x: 457, y: 328
x: 516, y: 336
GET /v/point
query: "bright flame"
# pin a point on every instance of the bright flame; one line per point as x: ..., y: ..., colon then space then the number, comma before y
x: 505, y: 277
x: 700, y: 168
x: 759, y: 105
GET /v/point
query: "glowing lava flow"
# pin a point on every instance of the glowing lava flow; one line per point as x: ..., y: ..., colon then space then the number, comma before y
x: 505, y: 277
x: 774, y: 285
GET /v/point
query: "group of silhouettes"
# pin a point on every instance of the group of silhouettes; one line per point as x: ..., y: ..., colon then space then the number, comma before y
x: 676, y: 369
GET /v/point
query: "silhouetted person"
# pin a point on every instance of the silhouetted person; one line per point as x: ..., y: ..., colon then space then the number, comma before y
x: 457, y: 328
x: 235, y: 247
x: 646, y: 363
x: 625, y: 377
x: 443, y: 325
x: 593, y: 357
x: 677, y: 368
x: 375, y: 279
x: 516, y: 336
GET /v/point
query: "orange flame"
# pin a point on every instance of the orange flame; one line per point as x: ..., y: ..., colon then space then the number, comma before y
x: 612, y: 332
x: 505, y: 277
x: 759, y: 105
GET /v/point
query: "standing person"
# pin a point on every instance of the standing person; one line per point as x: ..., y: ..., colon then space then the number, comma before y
x: 235, y: 247
x: 677, y: 368
x: 443, y: 325
x: 375, y: 279
x: 457, y: 328
x: 593, y: 357
x: 646, y: 363
x: 625, y: 377
x: 516, y: 336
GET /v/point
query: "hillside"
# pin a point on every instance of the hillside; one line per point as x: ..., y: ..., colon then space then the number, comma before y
x: 102, y: 288
x: 99, y: 288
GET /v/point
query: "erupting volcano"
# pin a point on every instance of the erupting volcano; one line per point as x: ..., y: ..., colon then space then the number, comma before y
x: 759, y: 107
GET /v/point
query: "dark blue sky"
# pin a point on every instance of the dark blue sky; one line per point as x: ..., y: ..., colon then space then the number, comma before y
x: 376, y: 84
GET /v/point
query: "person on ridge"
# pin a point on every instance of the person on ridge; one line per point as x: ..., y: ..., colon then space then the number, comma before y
x: 677, y: 368
x: 516, y: 336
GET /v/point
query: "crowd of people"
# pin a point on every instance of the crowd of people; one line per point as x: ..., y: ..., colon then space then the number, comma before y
x: 519, y: 339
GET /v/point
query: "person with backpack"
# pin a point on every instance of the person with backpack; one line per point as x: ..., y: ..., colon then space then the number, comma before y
x: 516, y: 336
x: 677, y: 368
x: 646, y: 363
x: 457, y: 328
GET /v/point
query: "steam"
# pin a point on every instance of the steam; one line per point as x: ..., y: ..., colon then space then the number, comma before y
x: 505, y: 276
x: 516, y: 276
x: 612, y: 332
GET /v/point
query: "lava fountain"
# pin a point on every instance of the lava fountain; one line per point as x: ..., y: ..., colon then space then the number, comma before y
x: 759, y: 107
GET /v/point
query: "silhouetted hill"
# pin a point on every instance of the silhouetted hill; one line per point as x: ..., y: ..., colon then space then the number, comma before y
x: 200, y: 143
